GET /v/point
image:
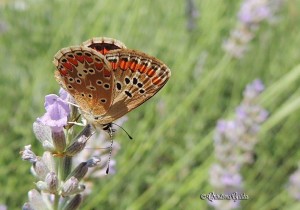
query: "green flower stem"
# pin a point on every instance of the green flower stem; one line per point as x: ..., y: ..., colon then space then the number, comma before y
x: 56, y: 202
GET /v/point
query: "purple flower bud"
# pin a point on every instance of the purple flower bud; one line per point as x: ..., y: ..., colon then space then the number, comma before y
x: 94, y: 161
x: 74, y: 203
x: 40, y: 168
x: 80, y: 141
x: 80, y: 171
x: 36, y: 200
x: 52, y: 182
x: 42, y: 186
x: 71, y: 187
x: 27, y: 206
x: 28, y: 154
x: 43, y: 134
x: 59, y: 141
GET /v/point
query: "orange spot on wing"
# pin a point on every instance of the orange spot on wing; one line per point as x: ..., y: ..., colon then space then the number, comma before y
x: 150, y: 73
x: 104, y: 51
x: 73, y: 61
x: 132, y: 66
x: 106, y: 73
x: 113, y: 65
x: 123, y: 65
x: 63, y: 72
x: 68, y: 66
x: 88, y: 59
x: 156, y: 80
x: 99, y: 66
x: 79, y: 58
x: 143, y: 69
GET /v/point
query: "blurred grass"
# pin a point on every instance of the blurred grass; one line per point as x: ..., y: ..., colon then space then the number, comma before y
x: 166, y: 166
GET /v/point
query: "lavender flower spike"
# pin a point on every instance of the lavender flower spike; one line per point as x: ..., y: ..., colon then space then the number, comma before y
x: 234, y: 143
x: 61, y: 176
x: 293, y: 186
x: 252, y: 13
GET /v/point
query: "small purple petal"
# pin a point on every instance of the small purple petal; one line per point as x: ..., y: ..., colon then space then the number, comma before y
x: 232, y: 180
x: 57, y: 112
x: 293, y: 186
x: 257, y: 85
x: 63, y: 94
x: 240, y: 113
x: 221, y: 126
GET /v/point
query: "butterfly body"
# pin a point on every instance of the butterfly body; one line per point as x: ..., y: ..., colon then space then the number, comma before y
x: 107, y: 80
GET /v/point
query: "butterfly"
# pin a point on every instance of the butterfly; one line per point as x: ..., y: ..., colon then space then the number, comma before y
x: 107, y: 80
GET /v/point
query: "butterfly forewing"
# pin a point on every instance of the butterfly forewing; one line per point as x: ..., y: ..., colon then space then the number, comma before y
x: 138, y: 77
x: 87, y: 76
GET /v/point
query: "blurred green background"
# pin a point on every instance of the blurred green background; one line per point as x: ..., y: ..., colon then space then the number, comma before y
x: 167, y: 165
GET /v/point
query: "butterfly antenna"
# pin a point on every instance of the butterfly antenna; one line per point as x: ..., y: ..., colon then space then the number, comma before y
x: 123, y: 130
x: 110, y: 132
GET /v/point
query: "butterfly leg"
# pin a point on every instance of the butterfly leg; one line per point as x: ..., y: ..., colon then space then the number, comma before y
x: 77, y: 123
x: 108, y: 128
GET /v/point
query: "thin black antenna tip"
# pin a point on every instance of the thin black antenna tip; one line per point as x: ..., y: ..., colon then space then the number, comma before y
x: 130, y: 137
x: 107, y: 170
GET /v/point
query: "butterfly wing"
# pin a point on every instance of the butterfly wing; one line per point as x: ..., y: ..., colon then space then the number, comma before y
x: 87, y: 76
x: 138, y: 77
x: 104, y: 44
